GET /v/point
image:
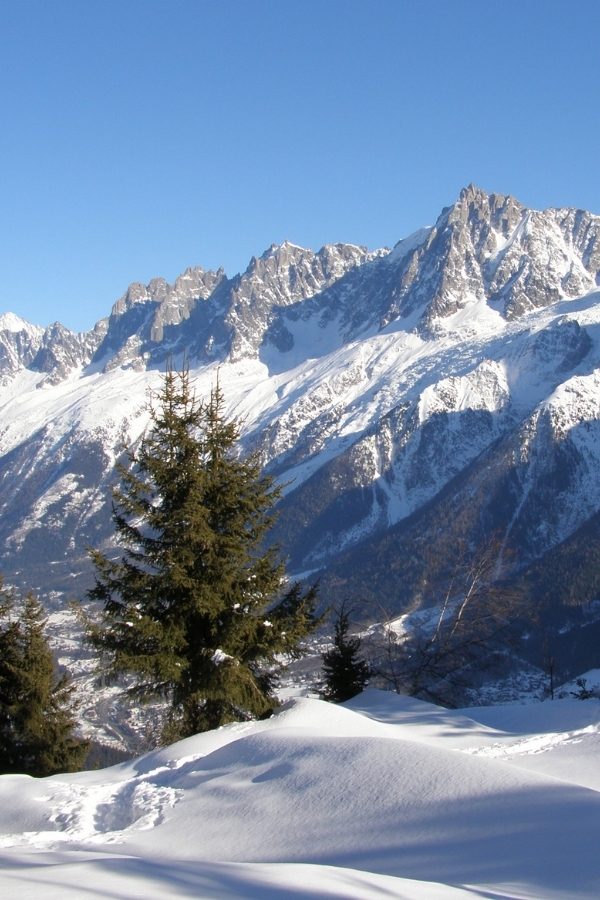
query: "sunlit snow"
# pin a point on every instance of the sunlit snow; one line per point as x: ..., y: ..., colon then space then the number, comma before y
x: 387, y: 797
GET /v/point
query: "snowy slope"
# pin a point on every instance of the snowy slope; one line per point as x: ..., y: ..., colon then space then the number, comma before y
x: 387, y: 797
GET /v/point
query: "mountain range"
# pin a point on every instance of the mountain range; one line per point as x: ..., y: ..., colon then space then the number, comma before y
x: 412, y: 402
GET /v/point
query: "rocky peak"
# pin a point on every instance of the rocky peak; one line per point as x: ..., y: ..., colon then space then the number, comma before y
x: 291, y: 273
x: 489, y: 248
x: 61, y: 351
x: 181, y: 297
x: 139, y: 319
x: 285, y: 271
x: 19, y: 342
x: 285, y: 274
x: 196, y: 282
x: 485, y: 215
x: 135, y: 294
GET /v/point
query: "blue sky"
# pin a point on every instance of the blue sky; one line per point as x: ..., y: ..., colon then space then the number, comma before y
x: 140, y: 137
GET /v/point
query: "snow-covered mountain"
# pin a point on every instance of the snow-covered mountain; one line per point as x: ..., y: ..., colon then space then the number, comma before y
x: 409, y: 399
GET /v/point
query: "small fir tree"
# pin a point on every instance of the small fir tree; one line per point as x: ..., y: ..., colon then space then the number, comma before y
x: 345, y: 673
x: 36, y: 712
x: 194, y: 608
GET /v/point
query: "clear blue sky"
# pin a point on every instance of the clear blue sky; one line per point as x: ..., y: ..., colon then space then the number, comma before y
x: 143, y: 136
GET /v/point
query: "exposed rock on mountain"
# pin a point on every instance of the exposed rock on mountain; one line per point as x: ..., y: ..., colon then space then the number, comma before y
x: 145, y: 324
x: 19, y: 343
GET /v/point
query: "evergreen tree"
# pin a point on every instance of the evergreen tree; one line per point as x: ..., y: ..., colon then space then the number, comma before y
x: 36, y: 715
x: 193, y: 608
x: 346, y: 674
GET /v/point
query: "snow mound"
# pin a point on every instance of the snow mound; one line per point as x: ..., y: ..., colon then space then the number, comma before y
x: 386, y: 796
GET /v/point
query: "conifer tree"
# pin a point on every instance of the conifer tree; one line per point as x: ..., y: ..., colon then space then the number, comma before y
x: 345, y: 673
x: 193, y: 608
x: 36, y: 714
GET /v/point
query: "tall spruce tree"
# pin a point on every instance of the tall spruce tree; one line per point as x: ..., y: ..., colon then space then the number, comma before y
x: 194, y: 607
x: 345, y: 673
x: 36, y: 712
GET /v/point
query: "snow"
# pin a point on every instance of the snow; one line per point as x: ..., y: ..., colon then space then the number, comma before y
x: 408, y: 244
x: 15, y: 324
x: 383, y: 797
x: 219, y: 657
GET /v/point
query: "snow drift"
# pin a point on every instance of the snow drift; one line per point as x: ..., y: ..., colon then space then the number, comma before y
x: 386, y: 797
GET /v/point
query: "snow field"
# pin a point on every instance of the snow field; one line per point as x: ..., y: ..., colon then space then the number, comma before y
x: 386, y: 797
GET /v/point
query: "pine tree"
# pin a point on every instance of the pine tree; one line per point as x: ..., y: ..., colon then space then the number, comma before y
x: 193, y: 608
x: 11, y: 677
x: 345, y: 673
x: 36, y: 714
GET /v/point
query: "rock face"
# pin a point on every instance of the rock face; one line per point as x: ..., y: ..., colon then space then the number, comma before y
x: 19, y: 343
x: 489, y: 247
x: 448, y: 389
